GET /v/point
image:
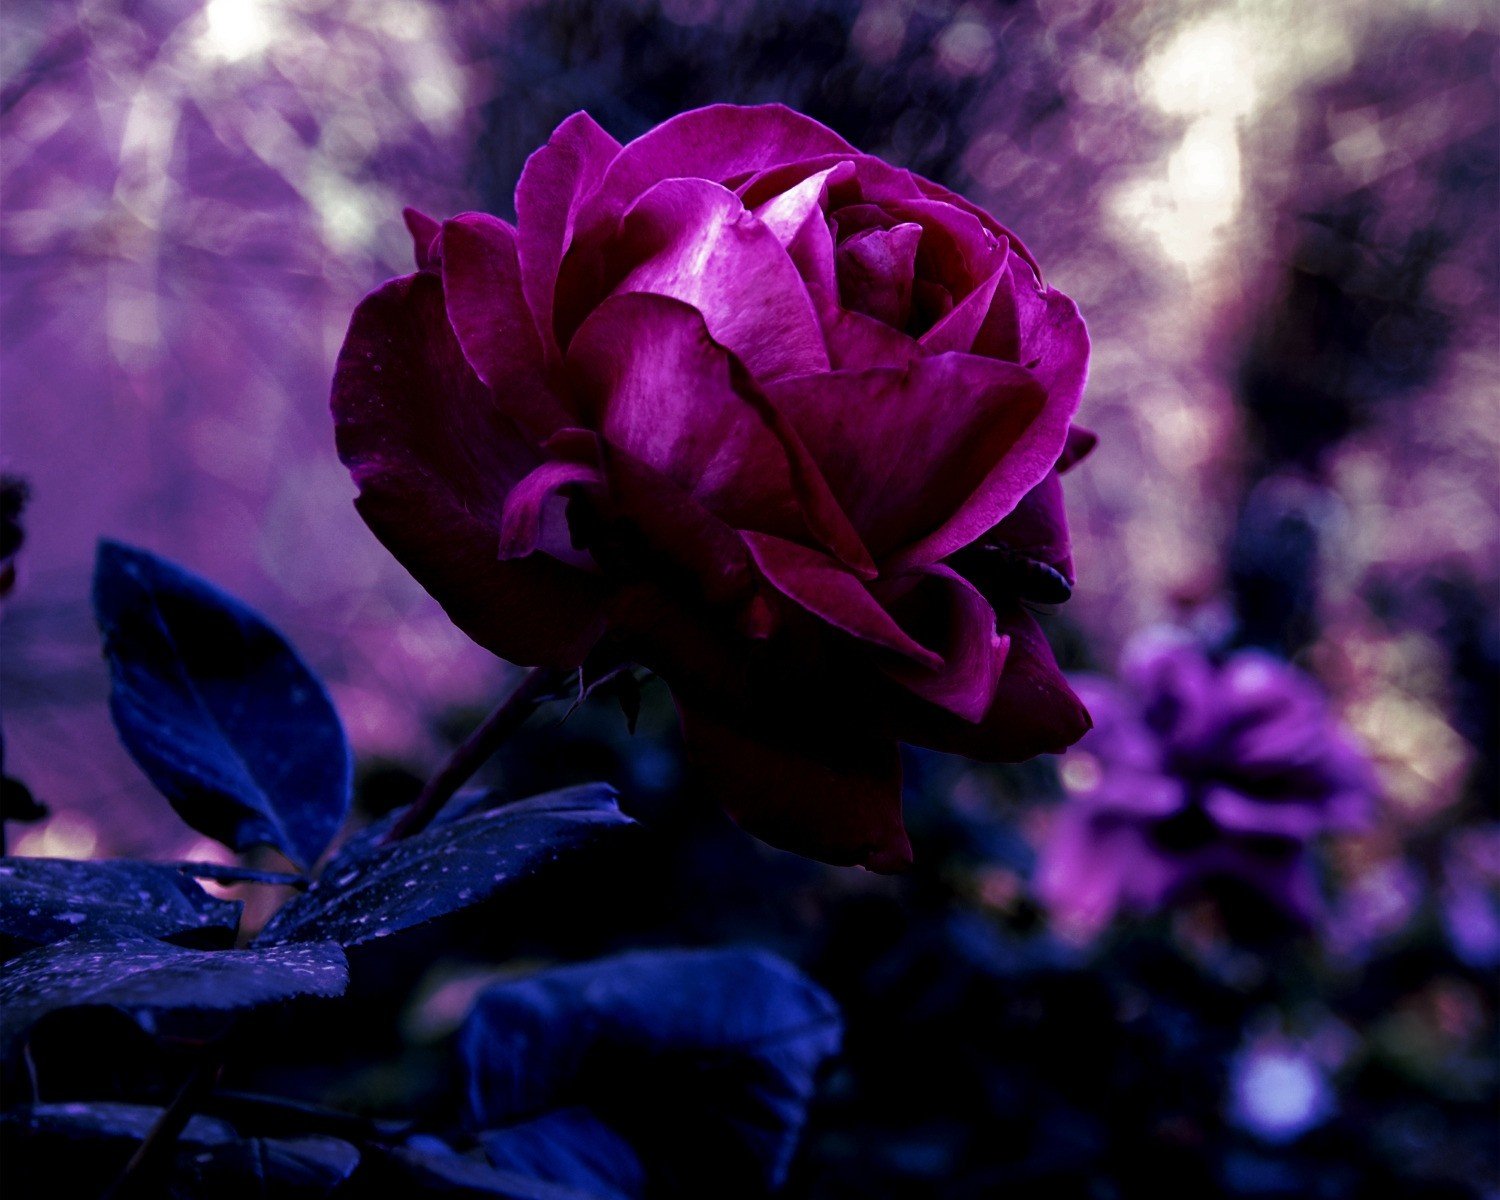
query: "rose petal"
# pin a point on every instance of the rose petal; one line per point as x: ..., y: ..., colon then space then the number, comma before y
x: 826, y: 589
x: 873, y: 180
x: 876, y: 270
x: 957, y: 250
x: 694, y: 241
x: 434, y: 457
x: 1034, y: 710
x: 1040, y: 329
x: 927, y: 457
x: 959, y: 327
x: 856, y: 341
x: 660, y: 388
x: 554, y: 183
x: 943, y: 611
x: 833, y: 795
x: 424, y: 231
x: 482, y: 284
x: 936, y: 191
x: 522, y: 523
x: 718, y: 143
x: 1079, y: 446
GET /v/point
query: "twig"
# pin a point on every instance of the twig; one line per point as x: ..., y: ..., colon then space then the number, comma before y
x: 221, y: 873
x: 153, y: 1154
x: 508, y: 716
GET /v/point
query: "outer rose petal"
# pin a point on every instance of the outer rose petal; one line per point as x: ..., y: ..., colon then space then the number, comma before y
x: 482, y: 284
x: 927, y: 457
x: 720, y: 142
x: 424, y: 231
x: 827, y: 590
x: 1034, y: 711
x: 659, y: 387
x: 433, y: 458
x: 1041, y: 329
x: 693, y: 241
x: 553, y: 185
x: 831, y: 795
x: 943, y: 611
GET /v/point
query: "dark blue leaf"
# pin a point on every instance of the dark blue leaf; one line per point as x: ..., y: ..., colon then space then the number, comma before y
x: 413, y: 1170
x: 80, y: 1149
x: 573, y: 1145
x: 143, y: 976
x: 218, y: 709
x: 46, y: 900
x: 703, y: 1061
x: 371, y: 889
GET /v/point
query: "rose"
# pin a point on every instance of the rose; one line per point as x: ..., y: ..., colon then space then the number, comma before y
x: 764, y: 414
x: 1199, y: 771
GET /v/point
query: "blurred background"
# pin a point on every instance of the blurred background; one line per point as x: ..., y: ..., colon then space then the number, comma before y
x: 1279, y: 220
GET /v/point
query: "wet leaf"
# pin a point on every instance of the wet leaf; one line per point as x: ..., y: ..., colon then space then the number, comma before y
x: 80, y: 1149
x: 371, y: 890
x: 143, y: 976
x: 46, y: 900
x: 218, y: 709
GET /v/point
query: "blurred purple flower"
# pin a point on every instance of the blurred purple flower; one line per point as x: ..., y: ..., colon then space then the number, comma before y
x: 1198, y: 770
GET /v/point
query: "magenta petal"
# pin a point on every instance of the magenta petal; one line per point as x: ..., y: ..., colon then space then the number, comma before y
x: 664, y: 391
x: 827, y: 590
x: 797, y: 219
x: 959, y: 328
x: 1079, y: 446
x: 945, y: 612
x: 936, y: 191
x: 1041, y: 329
x: 719, y: 143
x: 553, y: 185
x: 1036, y: 531
x: 929, y: 456
x: 522, y: 523
x: 832, y: 795
x: 1034, y: 712
x: 694, y: 241
x: 482, y: 283
x: 873, y: 180
x: 434, y: 459
x: 856, y: 341
x: 424, y: 232
x: 786, y: 213
x: 876, y: 269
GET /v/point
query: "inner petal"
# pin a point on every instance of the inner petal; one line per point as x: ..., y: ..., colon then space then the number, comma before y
x: 876, y: 271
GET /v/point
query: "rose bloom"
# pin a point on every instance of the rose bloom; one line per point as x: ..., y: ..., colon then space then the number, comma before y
x: 768, y: 416
x: 1199, y: 770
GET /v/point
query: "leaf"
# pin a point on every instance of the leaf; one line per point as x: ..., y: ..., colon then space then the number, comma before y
x: 46, y: 900
x: 214, y: 705
x: 371, y: 890
x: 80, y: 1149
x: 573, y: 1145
x: 412, y: 1171
x: 703, y: 1061
x: 143, y: 976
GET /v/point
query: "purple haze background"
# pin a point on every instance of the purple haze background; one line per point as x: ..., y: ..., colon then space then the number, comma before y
x: 1278, y: 220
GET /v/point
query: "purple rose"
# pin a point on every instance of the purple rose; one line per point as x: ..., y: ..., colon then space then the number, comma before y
x: 777, y: 420
x: 1199, y: 770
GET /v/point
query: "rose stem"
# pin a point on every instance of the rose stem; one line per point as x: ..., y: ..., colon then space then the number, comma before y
x: 150, y: 1156
x: 509, y: 715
